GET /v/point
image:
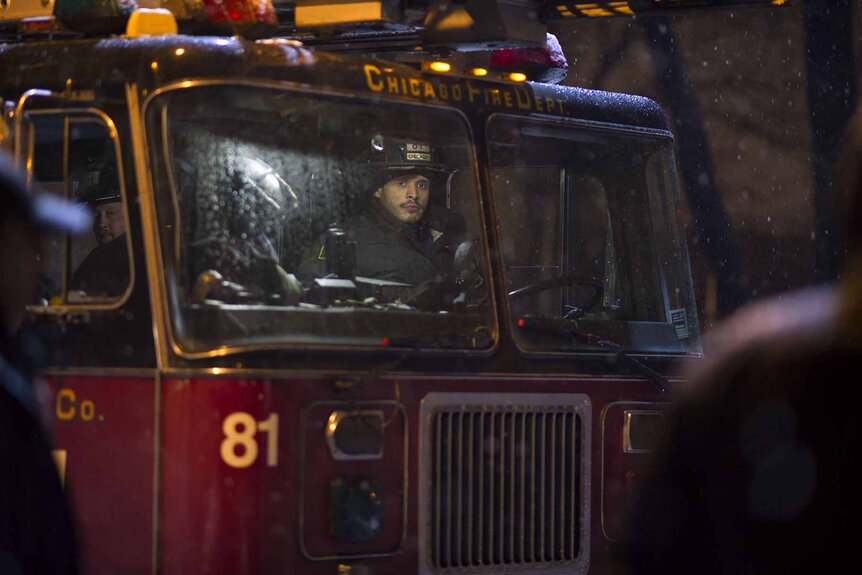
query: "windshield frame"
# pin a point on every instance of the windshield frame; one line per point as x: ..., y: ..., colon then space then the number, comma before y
x: 659, y: 135
x: 165, y: 298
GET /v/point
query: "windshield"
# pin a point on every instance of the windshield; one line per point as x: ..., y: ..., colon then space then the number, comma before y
x: 588, y: 236
x: 294, y: 218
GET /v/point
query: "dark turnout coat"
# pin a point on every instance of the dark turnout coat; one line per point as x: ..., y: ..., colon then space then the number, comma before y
x: 105, y: 270
x: 36, y: 532
x: 390, y: 250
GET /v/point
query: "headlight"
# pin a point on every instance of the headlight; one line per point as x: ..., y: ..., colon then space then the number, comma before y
x: 356, y: 509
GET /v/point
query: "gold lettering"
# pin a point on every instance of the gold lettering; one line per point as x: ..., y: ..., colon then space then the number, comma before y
x: 392, y: 84
x: 403, y: 86
x: 560, y: 106
x: 472, y: 92
x: 523, y: 98
x: 372, y: 78
x: 65, y: 397
x: 495, y: 98
x: 549, y: 104
x: 538, y: 103
x: 456, y: 92
x: 429, y: 91
x: 507, y: 99
x: 443, y: 90
x: 88, y: 410
x: 415, y: 87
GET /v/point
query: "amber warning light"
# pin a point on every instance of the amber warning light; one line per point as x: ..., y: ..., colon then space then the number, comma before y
x: 603, y: 8
x: 249, y: 18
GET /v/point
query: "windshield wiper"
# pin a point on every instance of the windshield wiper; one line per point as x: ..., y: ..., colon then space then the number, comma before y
x: 569, y: 327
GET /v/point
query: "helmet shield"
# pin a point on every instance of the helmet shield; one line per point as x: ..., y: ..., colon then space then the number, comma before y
x: 393, y: 157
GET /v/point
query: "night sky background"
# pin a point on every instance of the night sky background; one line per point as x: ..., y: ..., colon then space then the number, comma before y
x: 758, y: 98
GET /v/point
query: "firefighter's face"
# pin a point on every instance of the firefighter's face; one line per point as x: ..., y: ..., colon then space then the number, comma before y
x: 108, y: 223
x: 405, y: 197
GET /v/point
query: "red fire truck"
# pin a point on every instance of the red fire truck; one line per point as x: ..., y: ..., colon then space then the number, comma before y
x: 215, y: 410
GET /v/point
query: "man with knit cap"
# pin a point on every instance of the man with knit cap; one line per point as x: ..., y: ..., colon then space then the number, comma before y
x: 105, y: 270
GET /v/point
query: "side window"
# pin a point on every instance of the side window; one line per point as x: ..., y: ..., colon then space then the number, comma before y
x: 76, y: 156
x: 587, y: 237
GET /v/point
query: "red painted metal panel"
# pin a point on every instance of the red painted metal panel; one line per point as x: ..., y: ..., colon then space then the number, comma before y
x: 105, y: 427
x: 219, y: 518
x: 226, y: 511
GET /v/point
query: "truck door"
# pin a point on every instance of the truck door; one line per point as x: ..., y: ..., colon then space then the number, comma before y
x: 94, y: 320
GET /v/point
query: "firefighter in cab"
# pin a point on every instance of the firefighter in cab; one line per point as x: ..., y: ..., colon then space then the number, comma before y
x: 404, y: 233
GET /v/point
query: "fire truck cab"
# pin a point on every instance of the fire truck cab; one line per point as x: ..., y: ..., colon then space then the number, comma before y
x: 217, y: 408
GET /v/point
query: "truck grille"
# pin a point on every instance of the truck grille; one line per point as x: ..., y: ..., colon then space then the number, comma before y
x: 506, y: 484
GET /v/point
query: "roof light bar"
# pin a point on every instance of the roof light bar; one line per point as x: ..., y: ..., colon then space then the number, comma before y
x: 251, y: 18
x: 151, y: 22
x: 312, y: 13
x: 439, y: 66
x: 556, y: 10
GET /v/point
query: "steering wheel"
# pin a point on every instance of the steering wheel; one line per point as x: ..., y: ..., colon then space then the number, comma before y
x: 567, y: 280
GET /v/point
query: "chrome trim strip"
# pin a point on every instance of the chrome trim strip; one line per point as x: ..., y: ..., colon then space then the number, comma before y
x: 19, y: 126
x: 138, y: 372
x: 542, y: 445
x: 471, y: 462
x: 148, y: 223
x: 532, y: 547
x: 285, y: 373
x: 492, y: 503
x: 523, y: 523
x: 552, y: 500
x: 481, y: 491
x: 460, y: 495
x: 448, y: 541
x: 627, y: 428
x: 328, y: 91
x: 574, y: 498
x: 335, y: 419
x: 437, y: 483
x: 511, y: 545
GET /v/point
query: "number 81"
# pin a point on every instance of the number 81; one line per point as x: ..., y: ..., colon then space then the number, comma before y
x: 239, y: 430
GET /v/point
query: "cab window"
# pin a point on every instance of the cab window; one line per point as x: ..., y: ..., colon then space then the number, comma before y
x: 294, y: 219
x: 589, y: 244
x: 76, y: 156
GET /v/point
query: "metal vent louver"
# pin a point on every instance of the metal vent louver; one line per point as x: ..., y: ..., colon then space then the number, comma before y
x: 506, y: 482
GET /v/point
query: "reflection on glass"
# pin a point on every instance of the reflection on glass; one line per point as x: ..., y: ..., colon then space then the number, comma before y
x: 588, y: 238
x: 88, y: 268
x: 288, y: 218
